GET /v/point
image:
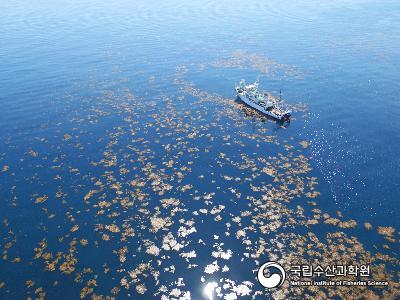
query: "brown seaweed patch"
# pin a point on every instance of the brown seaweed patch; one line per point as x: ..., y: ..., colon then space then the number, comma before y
x: 41, y: 199
x: 242, y: 59
x: 304, y: 144
x: 158, y: 223
x: 388, y: 231
x: 368, y: 225
x: 67, y: 137
x: 112, y: 228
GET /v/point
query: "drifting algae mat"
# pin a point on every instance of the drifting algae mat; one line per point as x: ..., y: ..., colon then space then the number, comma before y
x: 181, y: 195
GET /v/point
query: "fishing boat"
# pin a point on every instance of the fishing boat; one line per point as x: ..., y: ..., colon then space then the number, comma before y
x: 262, y: 102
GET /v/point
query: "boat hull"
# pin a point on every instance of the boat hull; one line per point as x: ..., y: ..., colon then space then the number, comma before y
x: 262, y: 109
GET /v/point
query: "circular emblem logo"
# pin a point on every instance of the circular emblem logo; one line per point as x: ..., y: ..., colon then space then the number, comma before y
x: 275, y: 279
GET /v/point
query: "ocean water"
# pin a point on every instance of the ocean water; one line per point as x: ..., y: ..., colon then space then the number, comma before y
x: 129, y: 169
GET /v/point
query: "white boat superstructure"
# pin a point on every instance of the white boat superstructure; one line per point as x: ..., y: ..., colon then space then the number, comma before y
x: 270, y: 106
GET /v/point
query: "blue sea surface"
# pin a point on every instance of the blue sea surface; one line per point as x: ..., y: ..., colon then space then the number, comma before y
x: 81, y: 80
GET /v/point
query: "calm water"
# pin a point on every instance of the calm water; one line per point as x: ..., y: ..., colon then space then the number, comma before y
x: 128, y: 169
